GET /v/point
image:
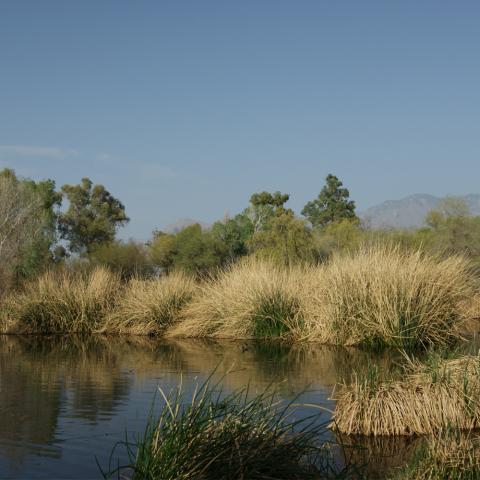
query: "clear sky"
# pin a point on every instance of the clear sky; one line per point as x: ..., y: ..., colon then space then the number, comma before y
x: 185, y: 108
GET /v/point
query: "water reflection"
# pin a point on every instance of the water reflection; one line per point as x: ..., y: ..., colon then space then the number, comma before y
x: 66, y: 399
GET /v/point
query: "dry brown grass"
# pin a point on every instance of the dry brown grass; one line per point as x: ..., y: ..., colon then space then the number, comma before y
x: 252, y: 298
x: 432, y: 397
x: 149, y: 306
x: 452, y: 456
x: 60, y: 301
x: 384, y: 295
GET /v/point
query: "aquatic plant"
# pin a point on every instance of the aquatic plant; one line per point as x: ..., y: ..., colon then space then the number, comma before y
x: 453, y: 456
x: 60, y: 301
x: 431, y: 397
x: 387, y: 296
x: 252, y: 298
x: 212, y: 435
x: 149, y: 306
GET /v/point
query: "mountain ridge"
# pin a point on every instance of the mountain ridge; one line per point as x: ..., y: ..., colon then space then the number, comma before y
x: 410, y: 211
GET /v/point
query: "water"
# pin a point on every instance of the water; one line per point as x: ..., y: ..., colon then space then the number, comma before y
x: 66, y: 401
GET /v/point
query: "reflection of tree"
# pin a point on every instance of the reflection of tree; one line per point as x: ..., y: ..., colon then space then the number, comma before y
x: 35, y: 375
x: 29, y: 402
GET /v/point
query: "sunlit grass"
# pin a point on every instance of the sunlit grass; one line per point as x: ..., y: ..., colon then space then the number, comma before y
x: 252, y: 298
x: 431, y: 397
x: 148, y: 307
x: 387, y: 296
x: 60, y: 301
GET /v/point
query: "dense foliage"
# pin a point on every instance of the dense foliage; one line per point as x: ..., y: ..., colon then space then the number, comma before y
x: 36, y: 233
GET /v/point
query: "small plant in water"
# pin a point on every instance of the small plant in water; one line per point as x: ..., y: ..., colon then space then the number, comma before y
x: 212, y: 435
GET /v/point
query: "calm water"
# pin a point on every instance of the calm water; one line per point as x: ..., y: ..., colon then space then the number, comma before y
x: 65, y: 401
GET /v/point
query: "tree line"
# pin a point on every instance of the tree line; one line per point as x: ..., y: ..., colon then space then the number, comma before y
x: 76, y: 226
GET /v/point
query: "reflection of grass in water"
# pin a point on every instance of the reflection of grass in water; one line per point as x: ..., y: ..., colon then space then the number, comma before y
x: 453, y: 456
x: 216, y: 436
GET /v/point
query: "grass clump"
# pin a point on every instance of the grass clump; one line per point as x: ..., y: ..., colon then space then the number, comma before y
x: 60, y: 301
x: 252, y: 298
x: 452, y: 456
x: 432, y: 397
x: 387, y: 296
x: 234, y: 436
x: 149, y: 306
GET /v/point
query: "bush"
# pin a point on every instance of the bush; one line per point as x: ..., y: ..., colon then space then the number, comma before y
x: 129, y: 259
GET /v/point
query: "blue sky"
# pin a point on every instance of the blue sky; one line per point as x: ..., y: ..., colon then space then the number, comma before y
x: 185, y: 108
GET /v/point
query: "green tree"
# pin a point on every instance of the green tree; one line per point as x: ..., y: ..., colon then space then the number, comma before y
x: 27, y: 225
x: 40, y: 252
x: 331, y: 205
x: 453, y: 229
x: 448, y: 207
x: 92, y: 218
x: 263, y: 206
x: 191, y: 250
x: 285, y: 239
x: 234, y: 233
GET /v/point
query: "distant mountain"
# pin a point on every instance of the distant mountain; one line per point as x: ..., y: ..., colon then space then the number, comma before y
x: 182, y: 223
x: 410, y: 211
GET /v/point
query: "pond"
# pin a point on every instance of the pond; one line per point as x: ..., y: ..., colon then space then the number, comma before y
x: 65, y: 401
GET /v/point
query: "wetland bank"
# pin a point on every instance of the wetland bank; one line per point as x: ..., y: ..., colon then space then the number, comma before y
x: 107, y: 345
x: 360, y: 339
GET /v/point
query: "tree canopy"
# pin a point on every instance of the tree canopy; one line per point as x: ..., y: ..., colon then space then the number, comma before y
x: 332, y: 204
x: 92, y: 217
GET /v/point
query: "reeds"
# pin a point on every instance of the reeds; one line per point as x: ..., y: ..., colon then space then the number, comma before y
x: 148, y: 307
x: 212, y: 435
x: 432, y: 397
x: 379, y: 296
x: 452, y: 456
x: 252, y: 298
x: 387, y: 296
x: 60, y: 301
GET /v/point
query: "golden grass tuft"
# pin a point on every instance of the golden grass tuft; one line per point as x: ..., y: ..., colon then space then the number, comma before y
x: 149, y: 306
x: 60, y: 301
x: 386, y: 296
x: 432, y: 397
x: 451, y: 456
x: 253, y: 298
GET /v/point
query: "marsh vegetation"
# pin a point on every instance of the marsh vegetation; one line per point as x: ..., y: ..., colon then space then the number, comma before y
x: 284, y: 283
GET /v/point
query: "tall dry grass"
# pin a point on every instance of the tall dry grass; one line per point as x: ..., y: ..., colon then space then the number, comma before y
x: 386, y: 296
x: 252, y: 298
x: 452, y: 456
x: 380, y: 296
x: 432, y: 397
x: 60, y: 301
x: 148, y: 307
